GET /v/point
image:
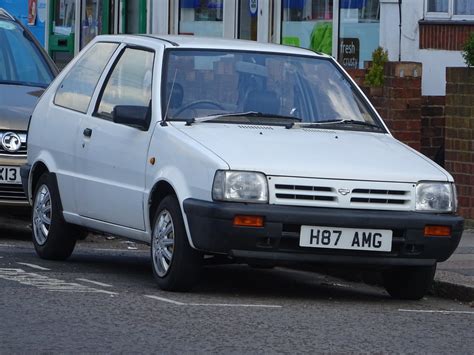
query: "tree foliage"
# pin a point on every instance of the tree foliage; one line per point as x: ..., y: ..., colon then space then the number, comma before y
x: 375, y: 74
x: 468, y: 52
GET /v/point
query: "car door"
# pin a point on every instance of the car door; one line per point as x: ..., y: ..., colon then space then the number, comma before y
x: 113, y: 155
x: 65, y: 113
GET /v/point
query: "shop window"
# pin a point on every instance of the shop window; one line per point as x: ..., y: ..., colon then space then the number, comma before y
x: 201, y: 17
x: 308, y: 24
x: 248, y: 19
x: 91, y: 21
x: 64, y: 16
x: 358, y: 31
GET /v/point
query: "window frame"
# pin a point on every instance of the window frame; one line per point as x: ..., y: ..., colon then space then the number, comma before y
x: 95, y: 112
x: 450, y: 15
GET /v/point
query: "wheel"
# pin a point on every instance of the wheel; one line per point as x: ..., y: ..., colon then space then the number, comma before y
x: 176, y: 265
x: 53, y: 238
x: 408, y: 283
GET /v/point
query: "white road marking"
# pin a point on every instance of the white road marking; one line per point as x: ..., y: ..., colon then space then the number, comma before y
x: 34, y: 266
x: 211, y: 304
x: 46, y: 283
x: 95, y: 282
x: 434, y: 311
x: 7, y: 245
x: 166, y: 300
x: 116, y: 250
x: 234, y: 305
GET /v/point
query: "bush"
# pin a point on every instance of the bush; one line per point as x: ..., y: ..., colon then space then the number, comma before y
x: 375, y: 77
x: 468, y: 52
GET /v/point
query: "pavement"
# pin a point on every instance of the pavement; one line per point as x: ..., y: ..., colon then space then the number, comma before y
x: 454, y: 278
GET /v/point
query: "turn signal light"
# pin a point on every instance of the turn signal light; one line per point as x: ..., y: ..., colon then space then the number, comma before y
x: 437, y: 231
x: 248, y: 221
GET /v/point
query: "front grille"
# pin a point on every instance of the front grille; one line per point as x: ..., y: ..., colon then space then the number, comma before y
x: 383, y: 197
x: 21, y: 151
x: 303, y: 192
x: 11, y: 192
x: 335, y: 193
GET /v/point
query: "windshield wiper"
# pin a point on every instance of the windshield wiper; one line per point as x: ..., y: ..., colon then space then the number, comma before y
x: 241, y: 114
x: 337, y: 122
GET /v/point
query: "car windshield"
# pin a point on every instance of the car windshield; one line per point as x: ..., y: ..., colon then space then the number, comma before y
x: 21, y: 62
x: 266, y: 88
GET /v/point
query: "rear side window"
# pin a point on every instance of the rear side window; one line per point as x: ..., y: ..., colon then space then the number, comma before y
x: 76, y: 90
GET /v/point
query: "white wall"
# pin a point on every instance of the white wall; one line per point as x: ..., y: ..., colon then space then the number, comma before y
x: 434, y: 61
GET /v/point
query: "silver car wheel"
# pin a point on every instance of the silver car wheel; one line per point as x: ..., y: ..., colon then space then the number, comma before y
x: 42, y: 215
x: 163, y: 243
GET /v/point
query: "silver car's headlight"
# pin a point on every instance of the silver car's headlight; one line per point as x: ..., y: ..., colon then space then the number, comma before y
x: 240, y: 186
x: 435, y: 197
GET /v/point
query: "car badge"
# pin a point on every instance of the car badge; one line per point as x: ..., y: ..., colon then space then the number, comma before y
x: 343, y: 192
x: 11, y: 142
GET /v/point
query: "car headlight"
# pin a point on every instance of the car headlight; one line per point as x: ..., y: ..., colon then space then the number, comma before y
x: 435, y: 197
x: 240, y: 186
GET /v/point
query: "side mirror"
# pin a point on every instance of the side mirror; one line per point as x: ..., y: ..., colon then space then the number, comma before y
x: 133, y: 116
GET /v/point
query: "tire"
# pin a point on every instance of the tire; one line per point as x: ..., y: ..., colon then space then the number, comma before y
x: 261, y: 265
x: 53, y: 238
x: 176, y: 265
x: 409, y: 283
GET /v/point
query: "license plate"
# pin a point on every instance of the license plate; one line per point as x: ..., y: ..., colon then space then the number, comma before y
x: 9, y: 175
x: 346, y: 238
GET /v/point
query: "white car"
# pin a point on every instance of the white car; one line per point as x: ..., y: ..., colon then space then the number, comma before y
x: 260, y: 153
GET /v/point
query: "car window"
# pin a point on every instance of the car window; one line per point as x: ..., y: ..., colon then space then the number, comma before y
x: 76, y: 90
x: 21, y: 61
x: 200, y: 83
x: 130, y: 82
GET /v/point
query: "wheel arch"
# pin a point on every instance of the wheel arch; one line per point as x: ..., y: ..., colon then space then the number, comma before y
x: 159, y: 191
x: 38, y: 169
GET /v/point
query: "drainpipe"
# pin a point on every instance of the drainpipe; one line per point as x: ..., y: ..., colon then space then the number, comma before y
x: 400, y: 31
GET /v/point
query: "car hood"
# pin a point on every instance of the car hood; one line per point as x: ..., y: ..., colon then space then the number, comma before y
x: 316, y: 153
x: 16, y: 105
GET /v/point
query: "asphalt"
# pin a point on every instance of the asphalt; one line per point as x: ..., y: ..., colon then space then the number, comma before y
x: 454, y: 278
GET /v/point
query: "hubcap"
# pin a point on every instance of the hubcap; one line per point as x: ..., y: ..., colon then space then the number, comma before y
x: 42, y: 215
x: 163, y: 243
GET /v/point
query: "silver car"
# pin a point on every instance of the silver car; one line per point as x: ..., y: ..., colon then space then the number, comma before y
x: 25, y: 71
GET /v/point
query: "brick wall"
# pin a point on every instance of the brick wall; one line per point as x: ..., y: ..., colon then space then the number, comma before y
x: 399, y: 100
x: 459, y: 137
x: 432, y: 127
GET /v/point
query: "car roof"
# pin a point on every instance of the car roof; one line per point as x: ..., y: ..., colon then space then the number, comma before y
x: 196, y: 42
x: 4, y: 15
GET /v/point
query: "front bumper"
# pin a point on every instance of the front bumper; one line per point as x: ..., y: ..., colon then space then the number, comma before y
x: 212, y: 230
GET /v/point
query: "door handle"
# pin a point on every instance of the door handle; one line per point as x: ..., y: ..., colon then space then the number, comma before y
x: 87, y: 132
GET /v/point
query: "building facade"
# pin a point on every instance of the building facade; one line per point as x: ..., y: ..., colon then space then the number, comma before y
x: 431, y: 32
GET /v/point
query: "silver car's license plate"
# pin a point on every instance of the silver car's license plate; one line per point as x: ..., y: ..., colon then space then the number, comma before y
x: 10, y: 175
x: 346, y: 238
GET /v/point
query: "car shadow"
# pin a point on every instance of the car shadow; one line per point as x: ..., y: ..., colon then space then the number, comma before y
x: 229, y: 281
